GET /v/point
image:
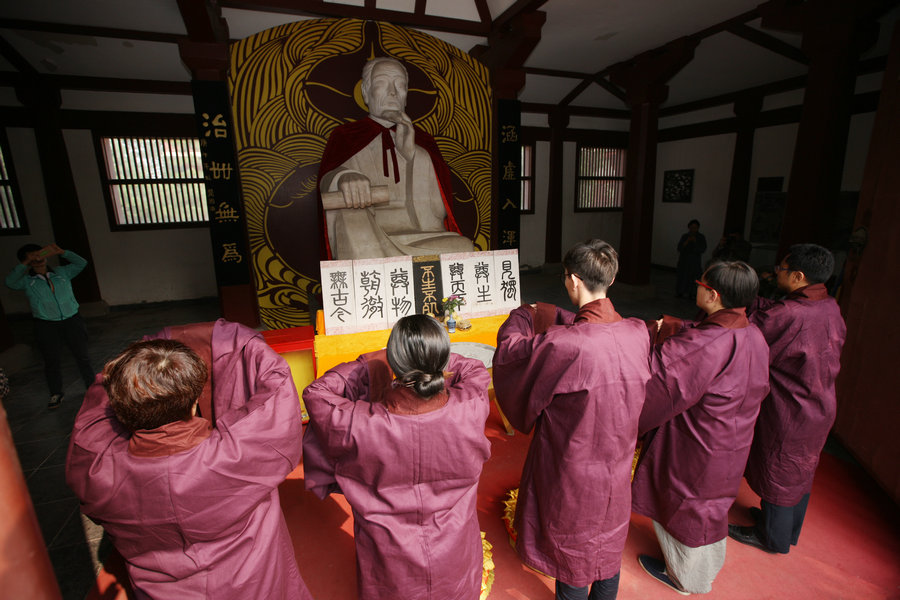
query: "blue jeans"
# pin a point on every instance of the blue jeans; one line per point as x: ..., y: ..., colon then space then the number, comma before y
x: 602, y: 589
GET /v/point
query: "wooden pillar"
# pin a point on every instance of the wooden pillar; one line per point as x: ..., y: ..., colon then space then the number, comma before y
x: 746, y: 110
x: 208, y: 63
x: 867, y: 409
x: 69, y: 232
x: 26, y: 572
x: 644, y: 81
x: 558, y: 121
x: 504, y: 55
x: 834, y: 33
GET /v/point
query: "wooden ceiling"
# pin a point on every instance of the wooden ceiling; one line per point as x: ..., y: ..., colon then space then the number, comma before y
x: 565, y: 49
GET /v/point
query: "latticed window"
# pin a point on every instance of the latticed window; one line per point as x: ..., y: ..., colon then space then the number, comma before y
x: 600, y: 181
x: 154, y: 182
x: 527, y: 179
x: 12, y: 216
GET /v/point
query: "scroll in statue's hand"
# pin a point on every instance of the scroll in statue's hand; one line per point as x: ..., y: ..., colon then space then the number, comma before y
x: 356, y: 189
x: 406, y: 134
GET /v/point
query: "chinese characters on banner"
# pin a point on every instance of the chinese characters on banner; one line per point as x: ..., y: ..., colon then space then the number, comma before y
x: 365, y: 295
x: 509, y: 159
x: 223, y: 186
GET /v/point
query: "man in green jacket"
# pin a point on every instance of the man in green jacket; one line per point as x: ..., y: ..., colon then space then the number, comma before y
x: 55, y: 311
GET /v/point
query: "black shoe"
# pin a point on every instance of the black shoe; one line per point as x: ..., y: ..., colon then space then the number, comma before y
x: 657, y: 569
x: 55, y: 401
x: 755, y: 514
x: 747, y: 535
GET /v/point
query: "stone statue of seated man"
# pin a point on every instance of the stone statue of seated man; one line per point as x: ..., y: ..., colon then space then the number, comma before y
x: 390, y: 185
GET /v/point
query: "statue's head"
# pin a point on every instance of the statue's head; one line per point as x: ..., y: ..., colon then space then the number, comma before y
x: 384, y: 86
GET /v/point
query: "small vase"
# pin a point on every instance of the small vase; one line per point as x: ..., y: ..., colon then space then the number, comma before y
x: 451, y: 324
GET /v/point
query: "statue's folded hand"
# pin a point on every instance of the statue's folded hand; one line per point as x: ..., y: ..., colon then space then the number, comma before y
x: 356, y: 190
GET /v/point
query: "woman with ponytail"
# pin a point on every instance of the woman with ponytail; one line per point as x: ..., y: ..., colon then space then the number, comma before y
x: 400, y: 432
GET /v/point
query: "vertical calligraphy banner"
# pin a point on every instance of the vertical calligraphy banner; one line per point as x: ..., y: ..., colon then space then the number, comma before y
x: 223, y: 187
x: 509, y: 160
x: 427, y: 284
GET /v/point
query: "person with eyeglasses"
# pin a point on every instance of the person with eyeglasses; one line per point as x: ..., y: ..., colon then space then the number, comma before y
x: 708, y: 380
x: 577, y: 380
x: 805, y: 332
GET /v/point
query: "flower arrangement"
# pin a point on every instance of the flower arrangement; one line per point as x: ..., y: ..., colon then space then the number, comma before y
x: 452, y: 303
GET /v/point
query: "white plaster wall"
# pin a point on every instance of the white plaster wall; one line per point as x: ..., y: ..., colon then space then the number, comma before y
x: 860, y: 135
x: 577, y: 227
x: 711, y: 159
x: 26, y: 163
x: 137, y: 266
x: 533, y: 228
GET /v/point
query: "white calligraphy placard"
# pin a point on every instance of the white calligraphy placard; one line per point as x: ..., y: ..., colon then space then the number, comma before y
x: 398, y: 272
x: 371, y: 290
x: 506, y: 273
x: 338, y: 298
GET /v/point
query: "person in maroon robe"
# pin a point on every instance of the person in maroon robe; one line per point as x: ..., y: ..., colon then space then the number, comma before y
x: 400, y: 432
x: 708, y: 380
x: 193, y: 507
x: 386, y: 149
x: 805, y: 333
x: 578, y: 380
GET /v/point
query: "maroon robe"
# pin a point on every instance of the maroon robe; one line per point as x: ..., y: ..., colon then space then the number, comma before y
x: 702, y: 401
x: 194, y: 510
x: 348, y: 139
x: 409, y: 469
x: 805, y: 333
x: 580, y: 385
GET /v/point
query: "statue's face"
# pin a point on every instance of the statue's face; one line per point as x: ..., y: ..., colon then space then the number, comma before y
x: 386, y: 91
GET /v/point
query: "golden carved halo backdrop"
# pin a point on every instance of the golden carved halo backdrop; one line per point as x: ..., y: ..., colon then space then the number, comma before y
x: 290, y: 87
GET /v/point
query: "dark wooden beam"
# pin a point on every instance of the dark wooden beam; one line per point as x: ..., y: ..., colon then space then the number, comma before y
x: 15, y: 59
x: 875, y: 64
x: 104, y: 84
x: 769, y: 42
x: 203, y: 21
x: 484, y: 12
x: 517, y: 8
x: 318, y: 8
x: 576, y: 91
x: 557, y: 73
x: 90, y: 31
x: 576, y: 111
x: 420, y: 7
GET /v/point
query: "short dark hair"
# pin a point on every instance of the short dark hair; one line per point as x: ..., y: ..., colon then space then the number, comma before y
x: 153, y: 383
x: 814, y: 261
x: 735, y: 281
x: 22, y: 253
x: 418, y: 351
x: 692, y: 222
x: 595, y: 262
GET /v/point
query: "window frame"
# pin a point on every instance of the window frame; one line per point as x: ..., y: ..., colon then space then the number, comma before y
x: 579, y: 177
x: 107, y: 183
x: 526, y: 201
x: 12, y: 183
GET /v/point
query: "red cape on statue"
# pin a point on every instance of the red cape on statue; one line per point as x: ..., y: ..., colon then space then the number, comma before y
x: 348, y: 139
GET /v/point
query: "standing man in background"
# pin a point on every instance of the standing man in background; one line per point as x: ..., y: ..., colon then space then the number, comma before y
x: 55, y: 311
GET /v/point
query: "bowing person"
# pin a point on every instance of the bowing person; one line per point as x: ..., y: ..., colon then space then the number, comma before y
x: 400, y: 432
x: 708, y: 380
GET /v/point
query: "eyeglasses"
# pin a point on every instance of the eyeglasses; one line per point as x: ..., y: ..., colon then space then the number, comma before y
x: 779, y: 268
x: 567, y: 275
x: 698, y: 282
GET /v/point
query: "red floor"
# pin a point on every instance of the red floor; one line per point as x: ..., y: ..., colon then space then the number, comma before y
x: 849, y: 548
